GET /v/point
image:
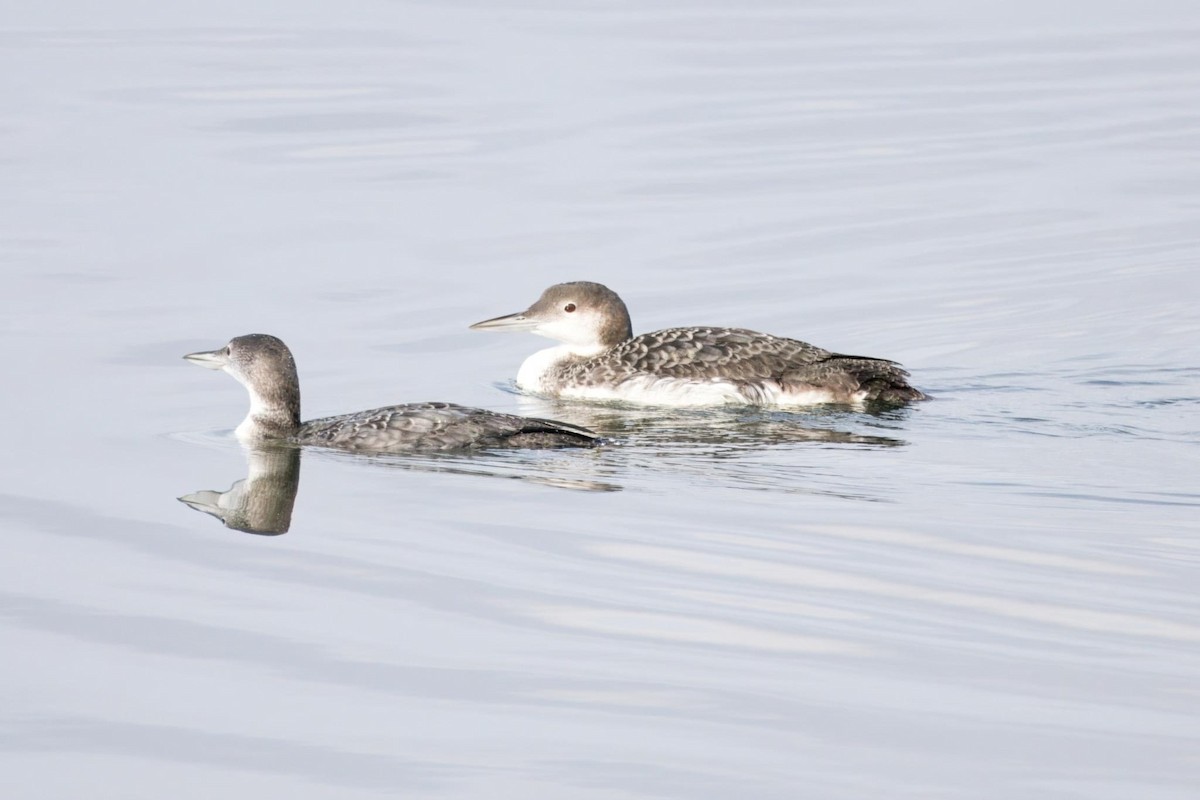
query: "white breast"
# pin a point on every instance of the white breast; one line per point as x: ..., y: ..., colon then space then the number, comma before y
x: 532, y: 375
x: 533, y: 369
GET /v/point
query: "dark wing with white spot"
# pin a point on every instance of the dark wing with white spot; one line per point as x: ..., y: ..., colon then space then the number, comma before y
x: 440, y: 426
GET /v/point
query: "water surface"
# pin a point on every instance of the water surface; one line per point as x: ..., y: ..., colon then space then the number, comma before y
x: 992, y: 594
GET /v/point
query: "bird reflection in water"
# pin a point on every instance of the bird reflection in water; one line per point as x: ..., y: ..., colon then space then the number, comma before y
x: 262, y: 502
x: 739, y: 447
x: 558, y: 468
x: 726, y: 431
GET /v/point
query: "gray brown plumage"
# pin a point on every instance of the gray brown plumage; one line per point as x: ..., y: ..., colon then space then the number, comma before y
x: 438, y: 426
x: 701, y: 365
x: 264, y: 365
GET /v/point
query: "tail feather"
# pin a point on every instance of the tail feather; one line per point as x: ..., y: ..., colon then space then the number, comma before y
x: 883, y: 381
x: 552, y: 432
x: 542, y: 433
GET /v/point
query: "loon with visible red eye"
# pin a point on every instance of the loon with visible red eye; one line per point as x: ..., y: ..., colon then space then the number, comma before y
x: 601, y: 359
x: 264, y: 365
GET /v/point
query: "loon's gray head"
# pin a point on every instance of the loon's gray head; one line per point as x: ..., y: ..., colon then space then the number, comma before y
x: 580, y: 313
x: 264, y: 365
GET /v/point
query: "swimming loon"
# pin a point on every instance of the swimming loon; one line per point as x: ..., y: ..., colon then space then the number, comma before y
x: 264, y: 365
x: 601, y: 359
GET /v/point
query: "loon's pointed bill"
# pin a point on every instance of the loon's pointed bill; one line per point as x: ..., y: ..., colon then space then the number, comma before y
x: 509, y: 322
x: 210, y: 359
x: 265, y: 366
x: 599, y: 358
x: 205, y: 500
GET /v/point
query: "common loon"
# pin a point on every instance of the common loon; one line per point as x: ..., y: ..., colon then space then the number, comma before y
x: 601, y: 359
x: 264, y: 365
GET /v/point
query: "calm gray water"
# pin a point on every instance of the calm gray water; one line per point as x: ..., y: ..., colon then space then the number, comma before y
x: 991, y: 595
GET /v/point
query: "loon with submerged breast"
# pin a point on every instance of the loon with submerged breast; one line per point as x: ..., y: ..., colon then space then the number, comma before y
x: 601, y: 359
x: 265, y: 366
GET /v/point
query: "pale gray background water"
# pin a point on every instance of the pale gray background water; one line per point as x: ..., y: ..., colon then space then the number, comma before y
x: 990, y: 595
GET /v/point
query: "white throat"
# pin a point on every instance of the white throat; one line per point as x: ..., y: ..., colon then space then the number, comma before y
x: 250, y: 428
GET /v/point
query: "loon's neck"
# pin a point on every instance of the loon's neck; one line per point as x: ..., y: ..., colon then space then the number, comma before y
x: 541, y: 365
x: 274, y: 417
x: 259, y: 426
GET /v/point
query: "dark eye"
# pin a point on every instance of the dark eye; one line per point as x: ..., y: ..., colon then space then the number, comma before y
x: 228, y: 350
x: 569, y: 307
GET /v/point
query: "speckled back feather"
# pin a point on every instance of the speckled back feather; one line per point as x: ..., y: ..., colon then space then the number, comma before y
x: 439, y: 426
x: 754, y: 362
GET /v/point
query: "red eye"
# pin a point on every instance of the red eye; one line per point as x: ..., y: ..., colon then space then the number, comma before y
x: 569, y: 307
